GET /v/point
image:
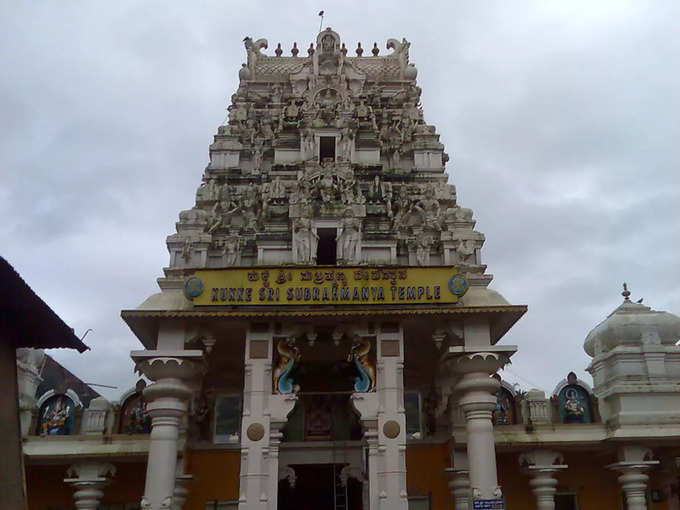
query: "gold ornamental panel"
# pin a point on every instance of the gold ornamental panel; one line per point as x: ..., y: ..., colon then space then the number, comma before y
x: 325, y: 285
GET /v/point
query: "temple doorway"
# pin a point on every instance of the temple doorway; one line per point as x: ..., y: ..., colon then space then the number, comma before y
x: 319, y: 487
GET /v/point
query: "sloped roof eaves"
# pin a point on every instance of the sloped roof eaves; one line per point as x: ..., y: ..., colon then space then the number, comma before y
x: 27, y: 319
x: 308, y: 312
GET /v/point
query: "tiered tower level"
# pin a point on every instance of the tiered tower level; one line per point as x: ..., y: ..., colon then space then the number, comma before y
x: 326, y: 159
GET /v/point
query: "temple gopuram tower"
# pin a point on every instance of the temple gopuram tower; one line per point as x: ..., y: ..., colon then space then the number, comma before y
x: 325, y: 321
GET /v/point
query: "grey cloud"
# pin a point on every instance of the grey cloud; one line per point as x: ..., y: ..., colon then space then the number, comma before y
x: 561, y: 120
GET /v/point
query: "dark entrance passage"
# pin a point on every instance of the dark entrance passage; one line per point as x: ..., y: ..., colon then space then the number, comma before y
x: 326, y: 251
x: 318, y: 487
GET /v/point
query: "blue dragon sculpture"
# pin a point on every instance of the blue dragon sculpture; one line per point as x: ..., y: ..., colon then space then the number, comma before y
x: 289, y: 354
x: 358, y: 354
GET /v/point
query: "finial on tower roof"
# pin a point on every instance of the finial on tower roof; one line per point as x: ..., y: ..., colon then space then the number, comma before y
x: 375, y: 49
x: 359, y: 50
x: 278, y: 51
x: 626, y: 292
x: 295, y: 50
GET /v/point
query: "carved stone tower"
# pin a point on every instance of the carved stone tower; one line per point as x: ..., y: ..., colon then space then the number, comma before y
x: 324, y: 282
x: 326, y: 160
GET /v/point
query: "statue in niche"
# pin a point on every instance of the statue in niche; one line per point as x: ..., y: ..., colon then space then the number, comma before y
x: 292, y: 111
x: 249, y: 205
x: 386, y: 188
x: 266, y: 131
x: 574, y: 402
x: 403, y: 203
x: 326, y: 186
x: 301, y: 193
x: 208, y: 190
x: 307, y: 145
x: 231, y: 249
x: 465, y: 252
x: 256, y: 155
x: 276, y: 94
x: 265, y: 194
x: 57, y: 416
x: 375, y: 191
x: 305, y: 241
x: 362, y: 110
x: 423, y: 247
x: 347, y: 192
x: 346, y: 143
x: 186, y: 250
x: 278, y: 190
x: 348, y: 238
x: 429, y: 207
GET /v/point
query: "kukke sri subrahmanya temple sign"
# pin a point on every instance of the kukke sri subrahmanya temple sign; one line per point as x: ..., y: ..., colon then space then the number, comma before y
x: 320, y: 285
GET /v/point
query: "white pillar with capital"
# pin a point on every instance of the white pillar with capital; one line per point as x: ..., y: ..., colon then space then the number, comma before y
x: 167, y: 404
x: 459, y: 480
x: 89, y: 479
x: 264, y: 415
x: 633, y: 464
x: 384, y: 420
x: 542, y: 465
x: 476, y: 396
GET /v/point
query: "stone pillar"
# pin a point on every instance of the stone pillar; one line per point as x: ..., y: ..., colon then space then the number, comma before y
x: 29, y: 365
x: 384, y: 422
x: 89, y: 480
x: 459, y: 480
x: 634, y: 462
x: 181, y: 491
x: 542, y: 465
x: 476, y: 396
x: 264, y: 414
x: 167, y: 402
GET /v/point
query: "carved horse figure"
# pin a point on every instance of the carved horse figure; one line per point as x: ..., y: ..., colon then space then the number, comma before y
x: 365, y: 382
x: 289, y: 354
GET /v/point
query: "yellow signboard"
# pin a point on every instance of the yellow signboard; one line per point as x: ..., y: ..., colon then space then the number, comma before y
x: 323, y: 285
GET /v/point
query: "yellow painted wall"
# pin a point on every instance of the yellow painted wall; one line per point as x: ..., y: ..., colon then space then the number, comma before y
x: 216, y: 476
x: 46, y: 488
x: 425, y: 467
x: 596, y: 486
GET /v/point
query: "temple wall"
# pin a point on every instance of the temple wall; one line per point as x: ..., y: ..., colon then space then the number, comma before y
x: 216, y: 477
x: 597, y: 487
x: 46, y: 487
x: 425, y: 467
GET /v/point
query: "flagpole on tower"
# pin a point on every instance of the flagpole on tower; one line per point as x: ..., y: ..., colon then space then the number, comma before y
x: 320, y: 22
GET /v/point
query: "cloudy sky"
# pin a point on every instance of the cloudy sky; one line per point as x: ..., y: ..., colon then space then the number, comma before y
x: 562, y: 120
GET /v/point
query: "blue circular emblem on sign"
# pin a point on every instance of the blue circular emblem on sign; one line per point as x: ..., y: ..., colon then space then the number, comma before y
x: 193, y: 287
x: 458, y: 285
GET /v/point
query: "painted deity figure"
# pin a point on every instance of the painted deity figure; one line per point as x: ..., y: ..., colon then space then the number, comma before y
x: 55, y: 418
x: 573, y: 408
x: 574, y: 402
x: 348, y: 238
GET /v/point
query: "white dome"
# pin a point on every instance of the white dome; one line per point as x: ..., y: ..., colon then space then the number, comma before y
x: 169, y: 300
x: 633, y: 324
x: 482, y: 296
